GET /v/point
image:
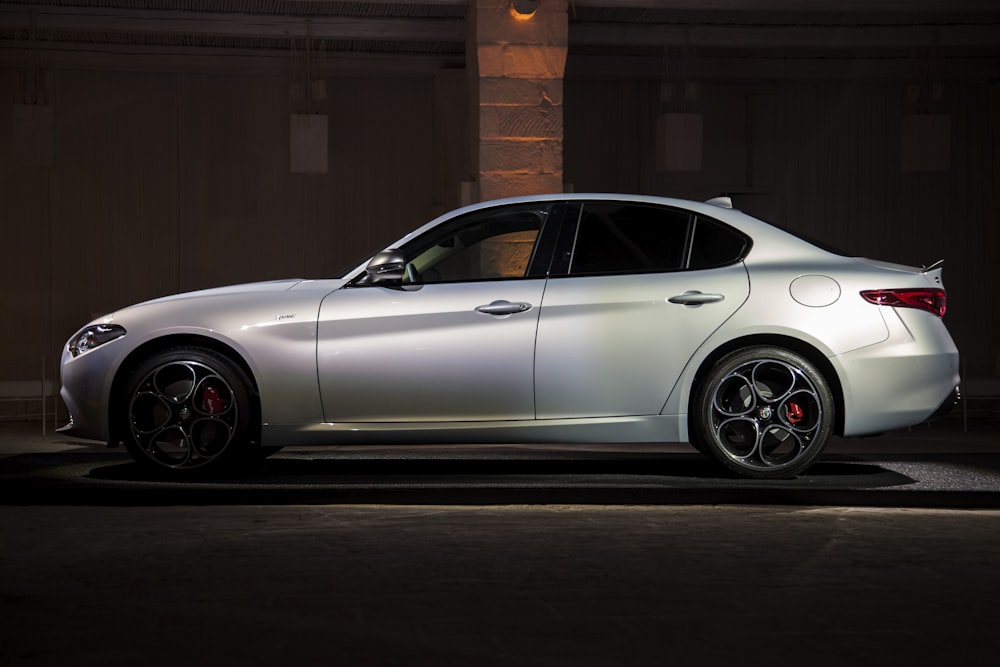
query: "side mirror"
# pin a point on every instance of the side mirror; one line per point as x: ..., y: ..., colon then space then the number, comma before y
x: 385, y: 268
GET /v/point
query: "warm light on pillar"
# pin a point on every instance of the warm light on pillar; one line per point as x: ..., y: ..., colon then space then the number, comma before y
x: 523, y: 10
x: 520, y: 66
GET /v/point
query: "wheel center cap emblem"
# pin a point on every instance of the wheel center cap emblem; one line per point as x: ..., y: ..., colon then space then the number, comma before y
x: 764, y: 412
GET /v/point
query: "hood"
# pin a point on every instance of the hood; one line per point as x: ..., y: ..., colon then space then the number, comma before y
x: 229, y: 308
x: 244, y: 288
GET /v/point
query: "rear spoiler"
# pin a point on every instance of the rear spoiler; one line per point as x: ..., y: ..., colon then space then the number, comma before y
x: 933, y: 272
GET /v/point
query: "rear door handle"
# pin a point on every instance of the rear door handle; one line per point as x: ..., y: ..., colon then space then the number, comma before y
x: 503, y: 307
x: 696, y: 298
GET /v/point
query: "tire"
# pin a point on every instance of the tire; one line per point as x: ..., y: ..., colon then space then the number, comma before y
x: 763, y: 412
x: 190, y: 409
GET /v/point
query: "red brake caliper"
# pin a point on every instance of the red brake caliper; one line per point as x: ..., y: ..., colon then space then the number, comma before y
x: 211, y: 402
x: 793, y: 412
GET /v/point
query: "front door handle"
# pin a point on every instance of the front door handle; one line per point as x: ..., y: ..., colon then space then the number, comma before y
x: 503, y: 307
x: 696, y: 298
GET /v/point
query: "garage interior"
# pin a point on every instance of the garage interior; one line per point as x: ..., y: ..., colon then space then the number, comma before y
x: 153, y: 146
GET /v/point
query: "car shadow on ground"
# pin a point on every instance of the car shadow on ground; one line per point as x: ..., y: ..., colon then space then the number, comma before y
x: 447, y: 477
x: 507, y: 469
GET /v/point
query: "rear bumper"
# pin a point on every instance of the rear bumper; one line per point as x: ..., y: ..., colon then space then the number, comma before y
x: 903, y: 381
x: 948, y: 405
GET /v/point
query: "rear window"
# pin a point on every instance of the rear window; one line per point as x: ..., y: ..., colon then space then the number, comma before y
x: 629, y: 238
x: 620, y: 237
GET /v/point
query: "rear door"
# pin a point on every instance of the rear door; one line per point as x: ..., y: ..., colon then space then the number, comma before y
x: 635, y: 290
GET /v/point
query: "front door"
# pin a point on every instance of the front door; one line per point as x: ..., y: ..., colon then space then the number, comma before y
x: 455, y: 341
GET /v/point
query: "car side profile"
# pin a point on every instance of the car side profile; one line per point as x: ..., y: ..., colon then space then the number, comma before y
x: 548, y: 319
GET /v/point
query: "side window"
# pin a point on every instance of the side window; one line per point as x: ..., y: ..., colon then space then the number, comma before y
x: 715, y: 244
x: 616, y: 237
x: 486, y: 245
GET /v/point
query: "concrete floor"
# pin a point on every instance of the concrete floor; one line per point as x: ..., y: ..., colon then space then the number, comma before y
x: 518, y: 584
x: 514, y: 585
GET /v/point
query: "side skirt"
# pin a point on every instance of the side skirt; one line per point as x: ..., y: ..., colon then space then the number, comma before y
x: 646, y: 428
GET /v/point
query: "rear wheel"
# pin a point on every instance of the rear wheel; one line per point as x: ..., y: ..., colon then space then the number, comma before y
x: 763, y: 412
x: 188, y: 409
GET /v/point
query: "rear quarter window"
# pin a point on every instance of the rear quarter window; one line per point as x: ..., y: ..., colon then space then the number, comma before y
x: 715, y: 244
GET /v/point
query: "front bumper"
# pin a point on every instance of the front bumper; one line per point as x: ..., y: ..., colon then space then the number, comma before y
x: 86, y: 389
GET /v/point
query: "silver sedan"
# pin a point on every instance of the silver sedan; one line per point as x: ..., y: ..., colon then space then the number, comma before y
x: 557, y: 318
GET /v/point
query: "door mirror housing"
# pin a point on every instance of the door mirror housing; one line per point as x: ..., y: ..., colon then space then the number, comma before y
x: 386, y: 269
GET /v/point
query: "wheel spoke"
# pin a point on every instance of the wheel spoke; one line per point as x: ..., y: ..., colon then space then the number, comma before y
x: 779, y: 446
x: 209, y: 437
x: 174, y: 382
x: 739, y: 436
x: 735, y: 396
x: 801, y: 411
x: 169, y: 446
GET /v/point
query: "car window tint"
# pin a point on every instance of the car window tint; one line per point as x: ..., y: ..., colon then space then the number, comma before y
x: 485, y: 245
x: 715, y: 244
x: 614, y: 237
x: 499, y: 256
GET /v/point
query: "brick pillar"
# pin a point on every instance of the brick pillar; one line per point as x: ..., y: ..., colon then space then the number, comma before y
x: 517, y: 75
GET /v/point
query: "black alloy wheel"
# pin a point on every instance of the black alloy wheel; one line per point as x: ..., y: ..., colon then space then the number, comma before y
x: 190, y: 408
x: 763, y: 412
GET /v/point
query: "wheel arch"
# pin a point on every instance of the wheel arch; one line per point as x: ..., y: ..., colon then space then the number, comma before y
x: 128, y: 365
x: 812, y: 354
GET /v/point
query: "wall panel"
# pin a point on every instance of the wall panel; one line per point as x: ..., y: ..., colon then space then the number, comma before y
x: 114, y: 193
x: 240, y: 218
x: 25, y: 243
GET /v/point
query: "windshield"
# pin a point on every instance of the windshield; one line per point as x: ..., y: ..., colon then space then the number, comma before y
x: 347, y: 268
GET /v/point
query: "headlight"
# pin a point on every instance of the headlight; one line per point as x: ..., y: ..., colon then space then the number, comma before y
x: 94, y: 336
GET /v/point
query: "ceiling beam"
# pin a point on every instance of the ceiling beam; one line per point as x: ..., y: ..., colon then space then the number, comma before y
x: 204, y: 60
x: 786, y: 37
x: 760, y: 68
x: 933, y: 32
x: 208, y: 24
x: 868, y: 6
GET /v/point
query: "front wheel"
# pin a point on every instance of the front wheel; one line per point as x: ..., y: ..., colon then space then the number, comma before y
x: 763, y: 412
x: 188, y: 409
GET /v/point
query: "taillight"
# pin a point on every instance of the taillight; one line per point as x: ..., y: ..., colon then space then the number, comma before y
x: 932, y: 300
